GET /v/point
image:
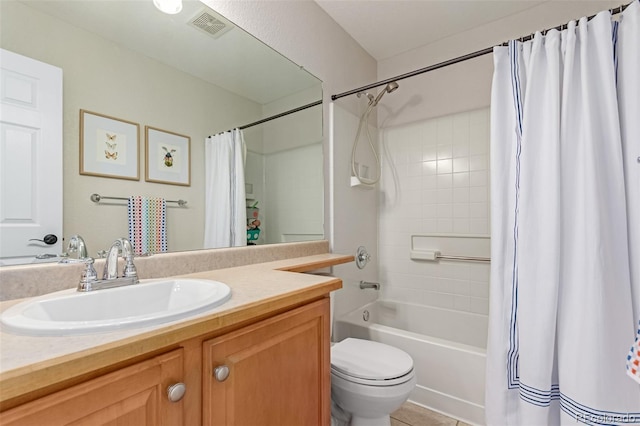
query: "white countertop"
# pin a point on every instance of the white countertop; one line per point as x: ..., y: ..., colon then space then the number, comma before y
x: 255, y: 290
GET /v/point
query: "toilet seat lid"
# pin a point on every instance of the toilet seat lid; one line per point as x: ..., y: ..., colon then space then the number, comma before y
x: 369, y: 360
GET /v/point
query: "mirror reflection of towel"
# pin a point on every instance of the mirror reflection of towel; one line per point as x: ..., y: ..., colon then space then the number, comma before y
x: 147, y: 224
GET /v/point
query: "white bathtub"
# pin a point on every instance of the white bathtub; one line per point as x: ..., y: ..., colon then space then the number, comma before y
x: 448, y: 348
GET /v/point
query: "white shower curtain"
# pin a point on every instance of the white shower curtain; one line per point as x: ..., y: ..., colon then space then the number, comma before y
x: 565, y: 136
x: 225, y: 203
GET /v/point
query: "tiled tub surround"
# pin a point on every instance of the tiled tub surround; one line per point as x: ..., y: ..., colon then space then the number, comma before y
x: 294, y: 183
x: 436, y: 182
x: 29, y: 365
x: 288, y: 188
x: 17, y: 282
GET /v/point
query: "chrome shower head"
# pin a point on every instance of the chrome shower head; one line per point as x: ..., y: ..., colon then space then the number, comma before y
x: 388, y: 89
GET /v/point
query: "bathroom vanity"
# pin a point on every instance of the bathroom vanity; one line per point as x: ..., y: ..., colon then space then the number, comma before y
x: 261, y: 358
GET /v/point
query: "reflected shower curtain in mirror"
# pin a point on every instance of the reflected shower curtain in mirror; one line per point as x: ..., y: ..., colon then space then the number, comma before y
x: 225, y: 204
x: 565, y: 112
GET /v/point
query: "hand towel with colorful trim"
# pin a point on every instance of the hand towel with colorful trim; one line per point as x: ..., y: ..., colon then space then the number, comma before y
x: 147, y: 224
x: 633, y: 360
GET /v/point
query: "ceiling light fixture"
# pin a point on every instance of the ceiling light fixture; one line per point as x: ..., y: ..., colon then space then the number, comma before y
x: 170, y: 7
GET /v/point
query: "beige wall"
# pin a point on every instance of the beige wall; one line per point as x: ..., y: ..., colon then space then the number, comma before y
x: 303, y: 32
x: 103, y: 77
x: 466, y: 86
x: 295, y: 130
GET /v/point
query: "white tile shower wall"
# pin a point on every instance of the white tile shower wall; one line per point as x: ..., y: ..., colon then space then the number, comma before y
x: 435, y: 180
x: 294, y: 185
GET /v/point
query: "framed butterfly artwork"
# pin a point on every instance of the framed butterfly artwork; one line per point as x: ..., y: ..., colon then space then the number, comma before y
x: 109, y: 146
x: 167, y: 157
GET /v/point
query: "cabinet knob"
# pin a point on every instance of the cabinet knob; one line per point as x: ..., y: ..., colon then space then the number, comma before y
x: 221, y: 373
x: 176, y: 391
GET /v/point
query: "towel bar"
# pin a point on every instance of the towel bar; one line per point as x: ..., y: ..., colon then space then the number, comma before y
x: 435, y: 255
x: 96, y: 198
x: 456, y: 247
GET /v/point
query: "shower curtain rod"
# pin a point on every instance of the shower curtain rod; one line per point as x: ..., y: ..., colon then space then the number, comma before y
x: 282, y: 114
x: 614, y: 11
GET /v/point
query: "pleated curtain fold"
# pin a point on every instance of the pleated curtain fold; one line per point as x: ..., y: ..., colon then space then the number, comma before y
x: 565, y: 218
x: 225, y: 203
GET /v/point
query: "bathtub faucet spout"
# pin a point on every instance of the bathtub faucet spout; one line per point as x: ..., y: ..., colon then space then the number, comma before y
x: 366, y: 284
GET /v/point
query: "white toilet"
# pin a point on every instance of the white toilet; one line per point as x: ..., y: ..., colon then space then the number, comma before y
x: 370, y: 380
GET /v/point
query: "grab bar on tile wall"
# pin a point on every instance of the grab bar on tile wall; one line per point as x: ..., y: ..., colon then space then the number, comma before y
x: 435, y: 255
x: 458, y: 247
x: 96, y: 198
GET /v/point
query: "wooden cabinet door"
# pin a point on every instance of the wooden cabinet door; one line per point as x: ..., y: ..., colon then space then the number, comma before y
x: 279, y: 372
x: 133, y: 396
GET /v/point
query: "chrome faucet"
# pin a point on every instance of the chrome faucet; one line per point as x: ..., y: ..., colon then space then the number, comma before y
x: 111, y: 264
x: 110, y: 279
x: 76, y: 245
x: 366, y: 284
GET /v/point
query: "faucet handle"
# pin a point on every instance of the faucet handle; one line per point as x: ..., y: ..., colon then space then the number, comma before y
x: 362, y: 257
x: 89, y: 276
x: 130, y: 270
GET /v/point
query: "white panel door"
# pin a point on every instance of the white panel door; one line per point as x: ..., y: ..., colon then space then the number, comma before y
x: 30, y: 158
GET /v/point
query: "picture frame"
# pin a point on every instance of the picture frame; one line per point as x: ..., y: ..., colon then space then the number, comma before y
x: 109, y: 146
x: 167, y: 157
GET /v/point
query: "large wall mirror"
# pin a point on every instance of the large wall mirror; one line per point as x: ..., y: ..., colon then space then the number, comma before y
x: 128, y: 60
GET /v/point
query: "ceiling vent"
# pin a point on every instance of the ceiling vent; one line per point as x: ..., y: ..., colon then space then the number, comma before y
x: 211, y: 24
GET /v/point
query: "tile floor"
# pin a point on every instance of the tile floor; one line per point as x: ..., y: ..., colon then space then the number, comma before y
x: 414, y: 415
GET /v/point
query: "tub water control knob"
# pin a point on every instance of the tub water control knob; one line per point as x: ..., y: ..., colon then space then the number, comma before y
x: 176, y: 392
x: 362, y: 257
x: 221, y: 373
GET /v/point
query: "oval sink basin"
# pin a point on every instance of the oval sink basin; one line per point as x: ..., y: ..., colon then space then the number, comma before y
x: 150, y: 302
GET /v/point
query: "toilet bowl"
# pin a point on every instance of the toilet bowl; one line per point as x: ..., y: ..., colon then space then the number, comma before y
x: 370, y: 380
